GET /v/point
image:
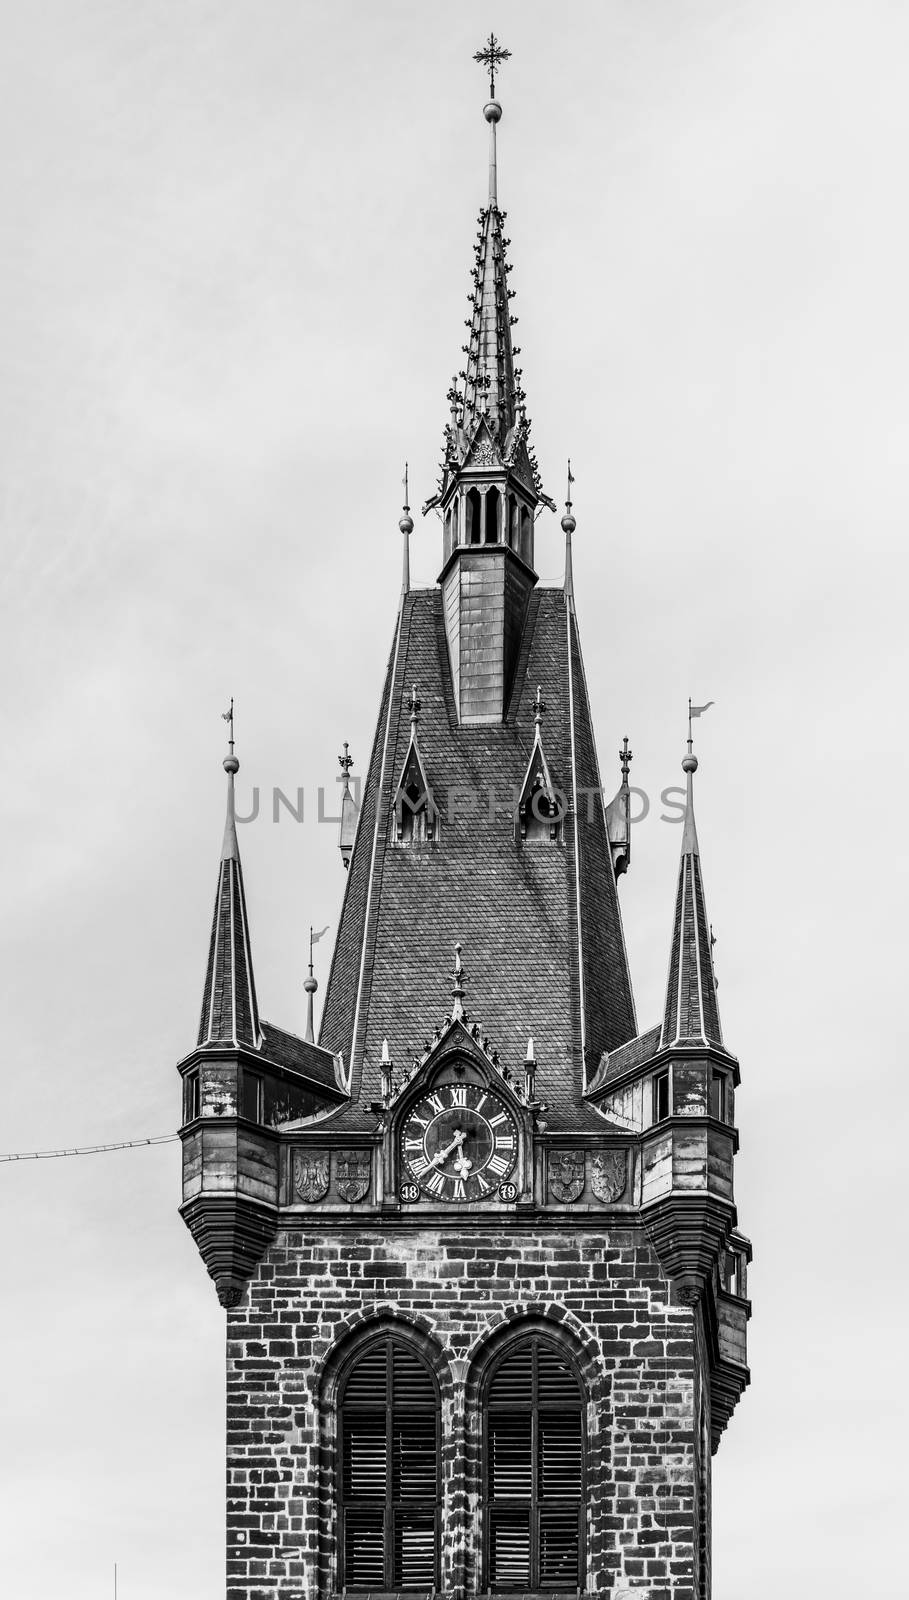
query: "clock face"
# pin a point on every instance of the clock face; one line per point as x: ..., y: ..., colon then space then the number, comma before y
x: 460, y: 1142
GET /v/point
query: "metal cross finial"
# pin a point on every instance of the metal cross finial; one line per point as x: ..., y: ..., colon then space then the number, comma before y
x: 625, y: 756
x: 345, y: 762
x: 414, y: 704
x: 570, y: 482
x: 491, y: 57
x: 539, y: 706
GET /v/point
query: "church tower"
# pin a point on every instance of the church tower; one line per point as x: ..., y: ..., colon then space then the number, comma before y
x: 477, y: 1247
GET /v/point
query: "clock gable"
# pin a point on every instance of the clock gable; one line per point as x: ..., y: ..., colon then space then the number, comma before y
x: 459, y: 1128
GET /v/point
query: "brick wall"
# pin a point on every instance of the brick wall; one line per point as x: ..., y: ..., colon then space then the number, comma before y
x: 317, y: 1292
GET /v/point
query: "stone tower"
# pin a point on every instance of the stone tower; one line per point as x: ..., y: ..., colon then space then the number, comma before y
x: 484, y: 1289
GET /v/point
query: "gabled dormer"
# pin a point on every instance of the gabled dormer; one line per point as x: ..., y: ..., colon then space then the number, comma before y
x: 416, y: 816
x: 541, y: 806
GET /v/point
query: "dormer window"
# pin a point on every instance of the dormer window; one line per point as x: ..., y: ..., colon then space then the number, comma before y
x: 416, y: 817
x: 540, y: 814
x: 541, y: 807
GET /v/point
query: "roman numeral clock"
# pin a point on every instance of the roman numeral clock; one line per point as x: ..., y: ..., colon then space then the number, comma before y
x: 459, y: 1142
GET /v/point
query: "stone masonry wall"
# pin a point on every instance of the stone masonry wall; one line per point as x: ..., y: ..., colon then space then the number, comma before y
x: 317, y: 1291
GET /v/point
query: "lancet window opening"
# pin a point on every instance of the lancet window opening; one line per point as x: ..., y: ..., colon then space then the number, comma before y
x: 534, y: 1490
x: 492, y: 505
x: 473, y: 517
x: 388, y: 1471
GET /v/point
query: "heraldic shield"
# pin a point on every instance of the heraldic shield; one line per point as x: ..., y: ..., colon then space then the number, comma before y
x: 609, y: 1174
x: 566, y: 1174
x: 352, y: 1174
x: 310, y: 1174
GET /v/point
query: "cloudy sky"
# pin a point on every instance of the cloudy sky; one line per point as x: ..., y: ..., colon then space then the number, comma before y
x: 236, y: 251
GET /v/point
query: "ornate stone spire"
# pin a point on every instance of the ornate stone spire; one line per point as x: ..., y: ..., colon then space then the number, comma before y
x: 691, y: 1011
x: 489, y: 491
x: 489, y: 422
x: 230, y: 1011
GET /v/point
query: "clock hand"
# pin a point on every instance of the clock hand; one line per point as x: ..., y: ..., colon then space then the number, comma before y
x: 442, y: 1155
x: 462, y: 1165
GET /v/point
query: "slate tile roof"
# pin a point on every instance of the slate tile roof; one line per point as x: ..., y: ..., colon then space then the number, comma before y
x: 286, y: 1050
x: 632, y: 1054
x: 513, y: 908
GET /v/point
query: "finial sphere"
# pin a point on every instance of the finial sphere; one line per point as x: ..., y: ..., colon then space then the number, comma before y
x: 568, y: 523
x: 492, y: 111
x: 690, y: 764
x: 231, y: 764
x: 406, y: 524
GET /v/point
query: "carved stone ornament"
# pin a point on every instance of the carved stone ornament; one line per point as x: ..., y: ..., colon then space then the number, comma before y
x: 609, y: 1174
x: 310, y: 1174
x: 566, y: 1174
x: 484, y: 454
x: 352, y: 1174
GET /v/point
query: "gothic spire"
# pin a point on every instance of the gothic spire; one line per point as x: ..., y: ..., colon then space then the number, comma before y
x: 691, y: 1013
x: 488, y: 389
x: 230, y: 1011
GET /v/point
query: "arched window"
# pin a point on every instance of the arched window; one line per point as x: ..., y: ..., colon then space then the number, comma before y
x: 534, y: 1510
x: 526, y: 536
x: 473, y: 517
x: 492, y: 516
x: 388, y: 1440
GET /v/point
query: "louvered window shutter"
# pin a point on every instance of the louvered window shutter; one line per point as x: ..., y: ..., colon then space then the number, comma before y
x: 534, y: 1478
x: 389, y: 1471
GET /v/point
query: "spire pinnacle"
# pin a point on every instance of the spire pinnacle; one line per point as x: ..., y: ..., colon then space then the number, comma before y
x: 491, y: 58
x: 568, y: 527
x: 230, y: 849
x: 457, y: 990
x: 406, y: 526
x: 539, y: 707
x: 348, y: 826
x: 310, y: 986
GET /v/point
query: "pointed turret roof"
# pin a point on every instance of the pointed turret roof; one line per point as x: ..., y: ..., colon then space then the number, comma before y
x: 691, y: 1012
x: 230, y: 1011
